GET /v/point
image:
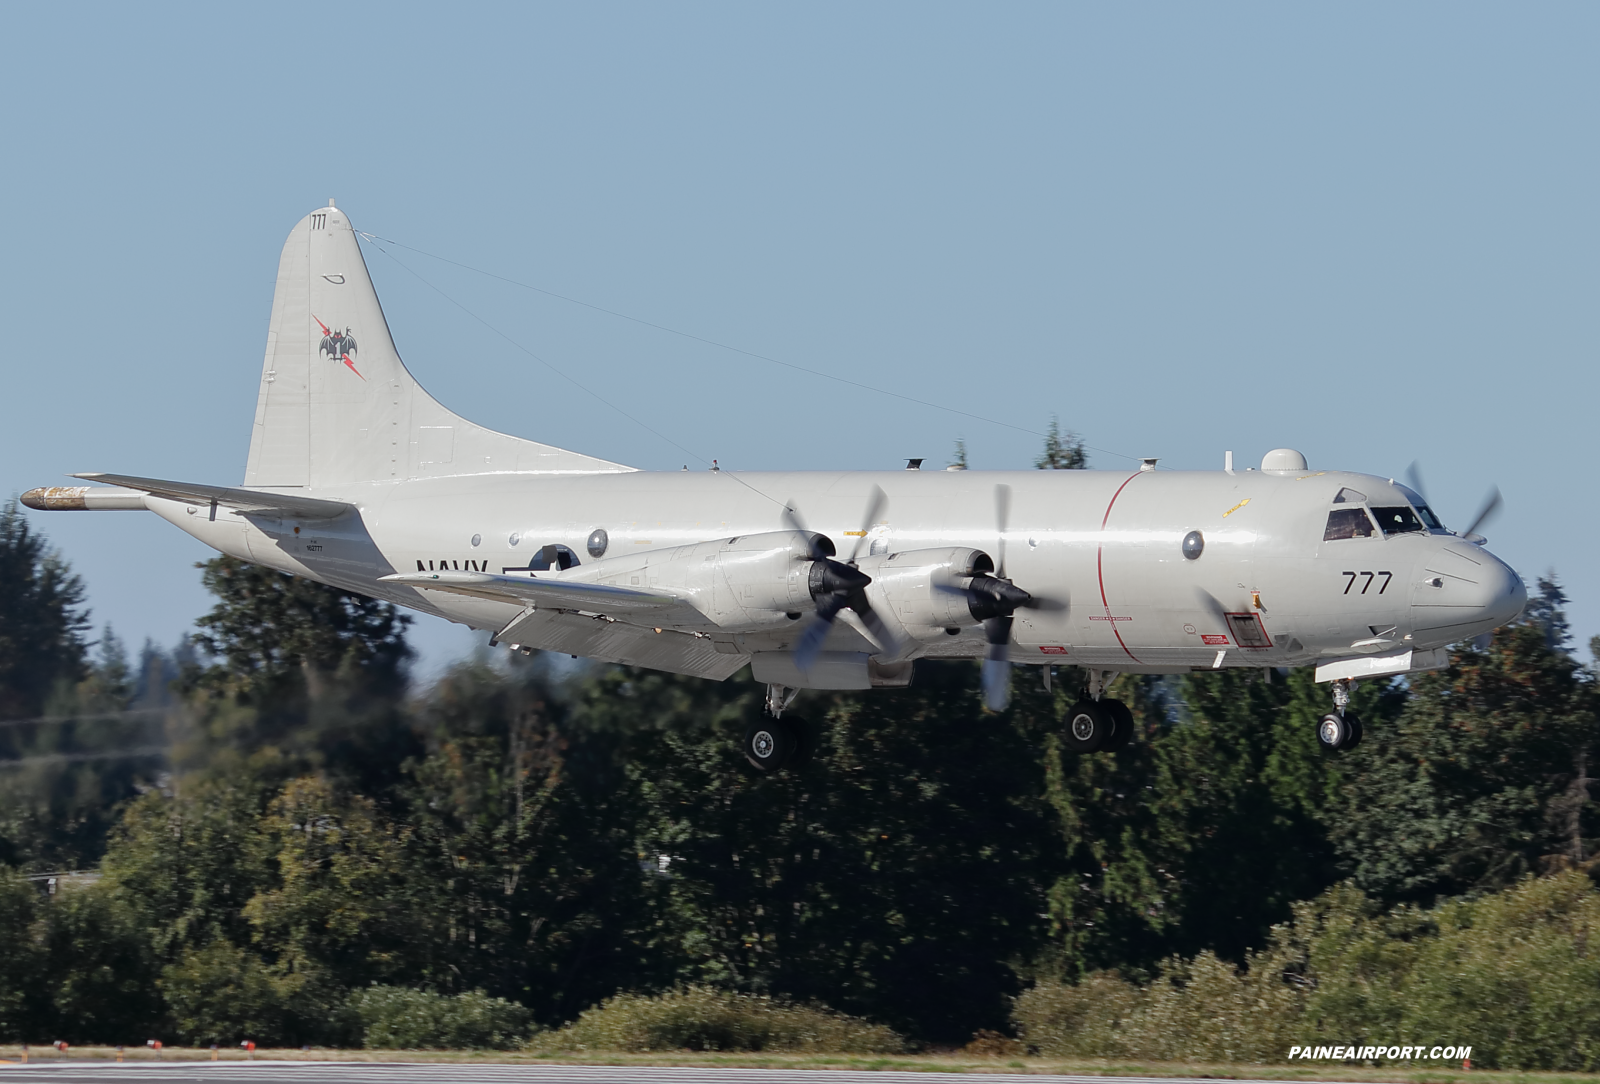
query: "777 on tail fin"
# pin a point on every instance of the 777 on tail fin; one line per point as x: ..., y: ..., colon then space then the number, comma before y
x: 812, y: 580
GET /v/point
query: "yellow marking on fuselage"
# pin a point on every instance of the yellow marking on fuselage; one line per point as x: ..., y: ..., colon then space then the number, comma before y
x: 1235, y: 508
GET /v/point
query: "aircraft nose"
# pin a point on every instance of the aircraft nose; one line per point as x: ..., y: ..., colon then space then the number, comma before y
x: 1465, y: 590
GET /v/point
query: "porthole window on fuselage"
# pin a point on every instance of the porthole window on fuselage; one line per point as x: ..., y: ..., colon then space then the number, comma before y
x: 1348, y: 523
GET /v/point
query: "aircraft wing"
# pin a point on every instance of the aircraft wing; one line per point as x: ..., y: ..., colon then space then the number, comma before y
x: 555, y: 594
x: 244, y: 500
x: 625, y: 643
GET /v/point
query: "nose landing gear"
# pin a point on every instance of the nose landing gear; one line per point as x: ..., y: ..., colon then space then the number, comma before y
x: 1340, y: 729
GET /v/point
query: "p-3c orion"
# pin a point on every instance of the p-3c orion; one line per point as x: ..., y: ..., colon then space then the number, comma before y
x: 814, y: 580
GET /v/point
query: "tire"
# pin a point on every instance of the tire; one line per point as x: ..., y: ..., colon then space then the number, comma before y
x: 1332, y: 731
x: 769, y: 744
x: 1089, y: 727
x: 803, y: 741
x: 1123, y: 717
x: 1357, y: 731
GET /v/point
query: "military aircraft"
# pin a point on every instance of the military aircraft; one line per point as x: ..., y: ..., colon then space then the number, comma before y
x: 357, y: 478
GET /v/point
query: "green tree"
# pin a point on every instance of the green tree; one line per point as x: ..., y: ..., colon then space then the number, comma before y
x: 100, y: 967
x: 1481, y: 780
x: 523, y: 827
x: 270, y: 629
x: 22, y: 961
x: 306, y: 675
x: 1062, y: 451
x: 1203, y: 832
x: 188, y: 863
x: 42, y: 619
x: 898, y: 875
x: 338, y: 912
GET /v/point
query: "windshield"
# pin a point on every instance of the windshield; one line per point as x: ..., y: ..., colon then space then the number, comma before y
x: 1347, y: 523
x: 1399, y: 519
x: 1429, y: 518
x: 1421, y: 506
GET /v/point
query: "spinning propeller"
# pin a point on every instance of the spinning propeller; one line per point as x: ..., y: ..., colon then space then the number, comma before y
x: 1490, y: 507
x: 993, y: 600
x: 837, y: 585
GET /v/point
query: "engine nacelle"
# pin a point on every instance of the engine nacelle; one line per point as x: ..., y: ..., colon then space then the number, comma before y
x: 747, y: 582
x: 921, y: 590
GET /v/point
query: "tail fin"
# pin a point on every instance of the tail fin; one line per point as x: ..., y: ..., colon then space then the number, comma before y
x: 337, y: 404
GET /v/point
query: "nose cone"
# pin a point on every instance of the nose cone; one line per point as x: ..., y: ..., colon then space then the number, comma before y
x: 1464, y: 590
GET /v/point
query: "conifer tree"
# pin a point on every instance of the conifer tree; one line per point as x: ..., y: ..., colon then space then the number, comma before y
x: 42, y: 619
x: 1062, y: 451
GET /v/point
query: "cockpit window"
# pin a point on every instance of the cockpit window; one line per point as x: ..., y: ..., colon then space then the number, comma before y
x: 1429, y: 518
x: 1399, y: 519
x: 1350, y: 496
x: 1347, y: 523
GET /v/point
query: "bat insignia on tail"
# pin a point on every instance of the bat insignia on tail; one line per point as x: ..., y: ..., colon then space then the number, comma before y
x: 338, y: 345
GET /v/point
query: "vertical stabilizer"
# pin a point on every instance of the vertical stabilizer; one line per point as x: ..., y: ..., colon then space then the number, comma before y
x: 337, y: 405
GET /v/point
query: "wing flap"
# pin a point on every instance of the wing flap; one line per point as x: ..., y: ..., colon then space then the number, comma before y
x: 244, y: 500
x: 620, y: 642
x: 556, y: 594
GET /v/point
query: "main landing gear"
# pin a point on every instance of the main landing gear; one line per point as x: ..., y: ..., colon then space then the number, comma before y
x: 1340, y: 729
x: 1097, y: 723
x: 772, y: 742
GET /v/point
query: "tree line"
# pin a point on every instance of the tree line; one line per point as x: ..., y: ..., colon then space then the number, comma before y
x: 272, y: 822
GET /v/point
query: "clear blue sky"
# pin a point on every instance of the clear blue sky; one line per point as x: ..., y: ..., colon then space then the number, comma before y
x: 1364, y: 230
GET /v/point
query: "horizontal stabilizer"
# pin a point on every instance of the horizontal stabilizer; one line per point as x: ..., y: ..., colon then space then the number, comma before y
x: 557, y: 594
x: 244, y: 500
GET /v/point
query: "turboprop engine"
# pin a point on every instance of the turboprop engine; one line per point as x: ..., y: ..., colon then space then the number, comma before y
x: 746, y: 582
x: 925, y: 592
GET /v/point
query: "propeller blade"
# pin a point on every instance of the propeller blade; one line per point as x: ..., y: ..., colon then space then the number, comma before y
x: 1414, y: 480
x: 875, y: 624
x: 997, y: 663
x: 1002, y: 516
x: 810, y: 645
x: 1491, y: 505
x: 876, y: 501
x: 819, y: 546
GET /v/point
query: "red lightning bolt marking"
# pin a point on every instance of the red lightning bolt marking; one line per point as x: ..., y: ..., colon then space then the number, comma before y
x: 326, y: 330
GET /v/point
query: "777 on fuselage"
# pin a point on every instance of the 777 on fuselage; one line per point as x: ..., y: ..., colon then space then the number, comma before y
x: 357, y: 478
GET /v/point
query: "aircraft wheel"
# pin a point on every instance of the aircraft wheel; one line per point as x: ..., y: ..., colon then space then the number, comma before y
x: 1122, y: 715
x: 1333, y: 731
x: 769, y: 744
x: 1357, y: 731
x: 1089, y: 727
x: 804, y: 739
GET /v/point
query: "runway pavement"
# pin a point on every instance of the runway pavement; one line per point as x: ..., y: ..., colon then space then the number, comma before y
x: 300, y: 1072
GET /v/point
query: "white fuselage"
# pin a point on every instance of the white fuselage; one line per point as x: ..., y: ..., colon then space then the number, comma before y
x: 1267, y: 588
x: 356, y: 477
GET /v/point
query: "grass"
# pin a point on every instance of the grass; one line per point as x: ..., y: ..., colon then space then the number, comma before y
x: 943, y: 1063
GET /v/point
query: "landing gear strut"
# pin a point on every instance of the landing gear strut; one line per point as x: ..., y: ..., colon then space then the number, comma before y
x: 1097, y: 722
x: 1340, y: 728
x: 772, y: 742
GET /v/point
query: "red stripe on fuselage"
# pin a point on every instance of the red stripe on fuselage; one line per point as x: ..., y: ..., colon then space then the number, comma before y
x: 1099, y: 565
